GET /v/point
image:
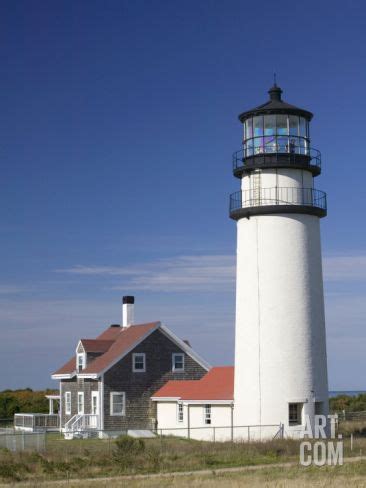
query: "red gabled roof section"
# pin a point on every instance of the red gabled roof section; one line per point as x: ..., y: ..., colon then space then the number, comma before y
x: 128, y: 337
x: 112, y: 343
x: 217, y: 384
x: 95, y: 345
x: 67, y: 368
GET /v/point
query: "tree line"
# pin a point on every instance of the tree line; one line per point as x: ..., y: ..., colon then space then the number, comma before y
x: 348, y: 403
x: 23, y: 401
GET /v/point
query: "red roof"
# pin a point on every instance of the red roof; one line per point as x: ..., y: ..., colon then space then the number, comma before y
x: 116, y: 341
x: 95, y: 345
x: 217, y: 384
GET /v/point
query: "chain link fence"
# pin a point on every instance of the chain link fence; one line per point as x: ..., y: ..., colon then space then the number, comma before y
x: 21, y: 441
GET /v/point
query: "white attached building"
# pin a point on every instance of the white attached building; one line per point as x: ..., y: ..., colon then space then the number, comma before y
x: 199, y: 409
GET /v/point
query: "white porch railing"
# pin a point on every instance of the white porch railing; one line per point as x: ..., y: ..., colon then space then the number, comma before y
x: 81, y: 423
x: 36, y: 422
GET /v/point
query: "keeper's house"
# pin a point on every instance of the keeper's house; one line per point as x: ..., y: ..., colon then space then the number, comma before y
x: 108, y: 382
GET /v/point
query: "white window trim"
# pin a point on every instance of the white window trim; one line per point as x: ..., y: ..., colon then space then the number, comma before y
x: 174, y: 355
x: 112, y: 394
x: 205, y: 416
x: 180, y: 420
x: 67, y: 402
x: 134, y: 355
x: 81, y: 394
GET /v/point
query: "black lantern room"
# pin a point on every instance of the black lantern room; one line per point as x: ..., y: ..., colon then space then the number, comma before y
x: 276, y: 137
x: 276, y: 134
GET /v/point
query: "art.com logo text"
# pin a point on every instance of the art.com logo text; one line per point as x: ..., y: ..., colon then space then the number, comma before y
x: 327, y: 451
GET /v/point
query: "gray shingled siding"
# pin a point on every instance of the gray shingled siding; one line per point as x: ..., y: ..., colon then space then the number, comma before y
x: 139, y: 387
x: 75, y: 385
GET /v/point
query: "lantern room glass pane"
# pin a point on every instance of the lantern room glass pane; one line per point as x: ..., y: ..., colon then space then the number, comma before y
x: 258, y: 126
x: 258, y: 145
x: 269, y: 125
x: 302, y: 127
x: 281, y: 124
x: 294, y: 125
x: 282, y: 144
x: 248, y: 129
x: 249, y: 148
x: 258, y: 133
x: 304, y: 146
x: 269, y: 133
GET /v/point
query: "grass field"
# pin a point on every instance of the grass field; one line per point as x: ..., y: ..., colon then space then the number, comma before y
x: 95, y: 458
x: 352, y: 474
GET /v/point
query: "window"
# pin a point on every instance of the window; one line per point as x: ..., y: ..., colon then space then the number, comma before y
x: 68, y: 403
x: 180, y: 412
x: 80, y: 361
x: 207, y: 414
x: 80, y: 402
x: 178, y: 361
x: 295, y: 413
x: 139, y: 362
x: 117, y: 403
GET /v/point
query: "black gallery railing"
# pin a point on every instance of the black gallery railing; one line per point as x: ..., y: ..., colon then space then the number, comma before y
x: 268, y: 149
x: 278, y: 196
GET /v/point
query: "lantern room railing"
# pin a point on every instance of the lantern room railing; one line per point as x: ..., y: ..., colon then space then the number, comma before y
x: 276, y: 151
x: 290, y: 199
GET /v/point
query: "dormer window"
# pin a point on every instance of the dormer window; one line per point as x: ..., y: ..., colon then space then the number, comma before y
x: 80, y: 361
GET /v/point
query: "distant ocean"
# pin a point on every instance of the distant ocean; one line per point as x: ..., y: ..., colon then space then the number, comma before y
x: 349, y: 393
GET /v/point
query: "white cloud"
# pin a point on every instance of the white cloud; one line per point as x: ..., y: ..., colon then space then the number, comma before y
x: 182, y: 273
x: 204, y: 272
x: 345, y: 268
x: 9, y: 289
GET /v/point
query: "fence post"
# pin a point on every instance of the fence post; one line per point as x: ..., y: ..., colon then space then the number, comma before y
x: 248, y: 432
x: 189, y: 422
x: 214, y: 434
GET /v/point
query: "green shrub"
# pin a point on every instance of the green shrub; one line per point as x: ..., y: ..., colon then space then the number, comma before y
x: 126, y: 450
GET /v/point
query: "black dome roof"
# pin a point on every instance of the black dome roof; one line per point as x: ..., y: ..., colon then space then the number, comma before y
x: 275, y: 105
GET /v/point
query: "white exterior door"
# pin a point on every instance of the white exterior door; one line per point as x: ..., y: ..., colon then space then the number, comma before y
x: 94, y: 409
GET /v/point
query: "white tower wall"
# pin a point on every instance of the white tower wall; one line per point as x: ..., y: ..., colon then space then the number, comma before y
x: 280, y: 352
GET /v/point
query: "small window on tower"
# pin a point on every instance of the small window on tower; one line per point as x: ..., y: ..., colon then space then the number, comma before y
x: 318, y: 408
x: 295, y: 413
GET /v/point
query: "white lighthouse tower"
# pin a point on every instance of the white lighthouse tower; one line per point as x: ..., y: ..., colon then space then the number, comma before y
x: 280, y: 350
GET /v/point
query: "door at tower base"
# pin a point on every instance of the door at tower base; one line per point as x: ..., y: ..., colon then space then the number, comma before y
x: 280, y: 353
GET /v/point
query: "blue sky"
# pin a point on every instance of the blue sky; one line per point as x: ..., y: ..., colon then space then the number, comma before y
x: 117, y: 124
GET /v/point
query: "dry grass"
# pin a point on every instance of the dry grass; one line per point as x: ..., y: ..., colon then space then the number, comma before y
x: 353, y: 474
x: 356, y: 427
x: 81, y: 459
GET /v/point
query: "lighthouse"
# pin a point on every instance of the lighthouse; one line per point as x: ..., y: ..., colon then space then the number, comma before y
x: 280, y: 348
